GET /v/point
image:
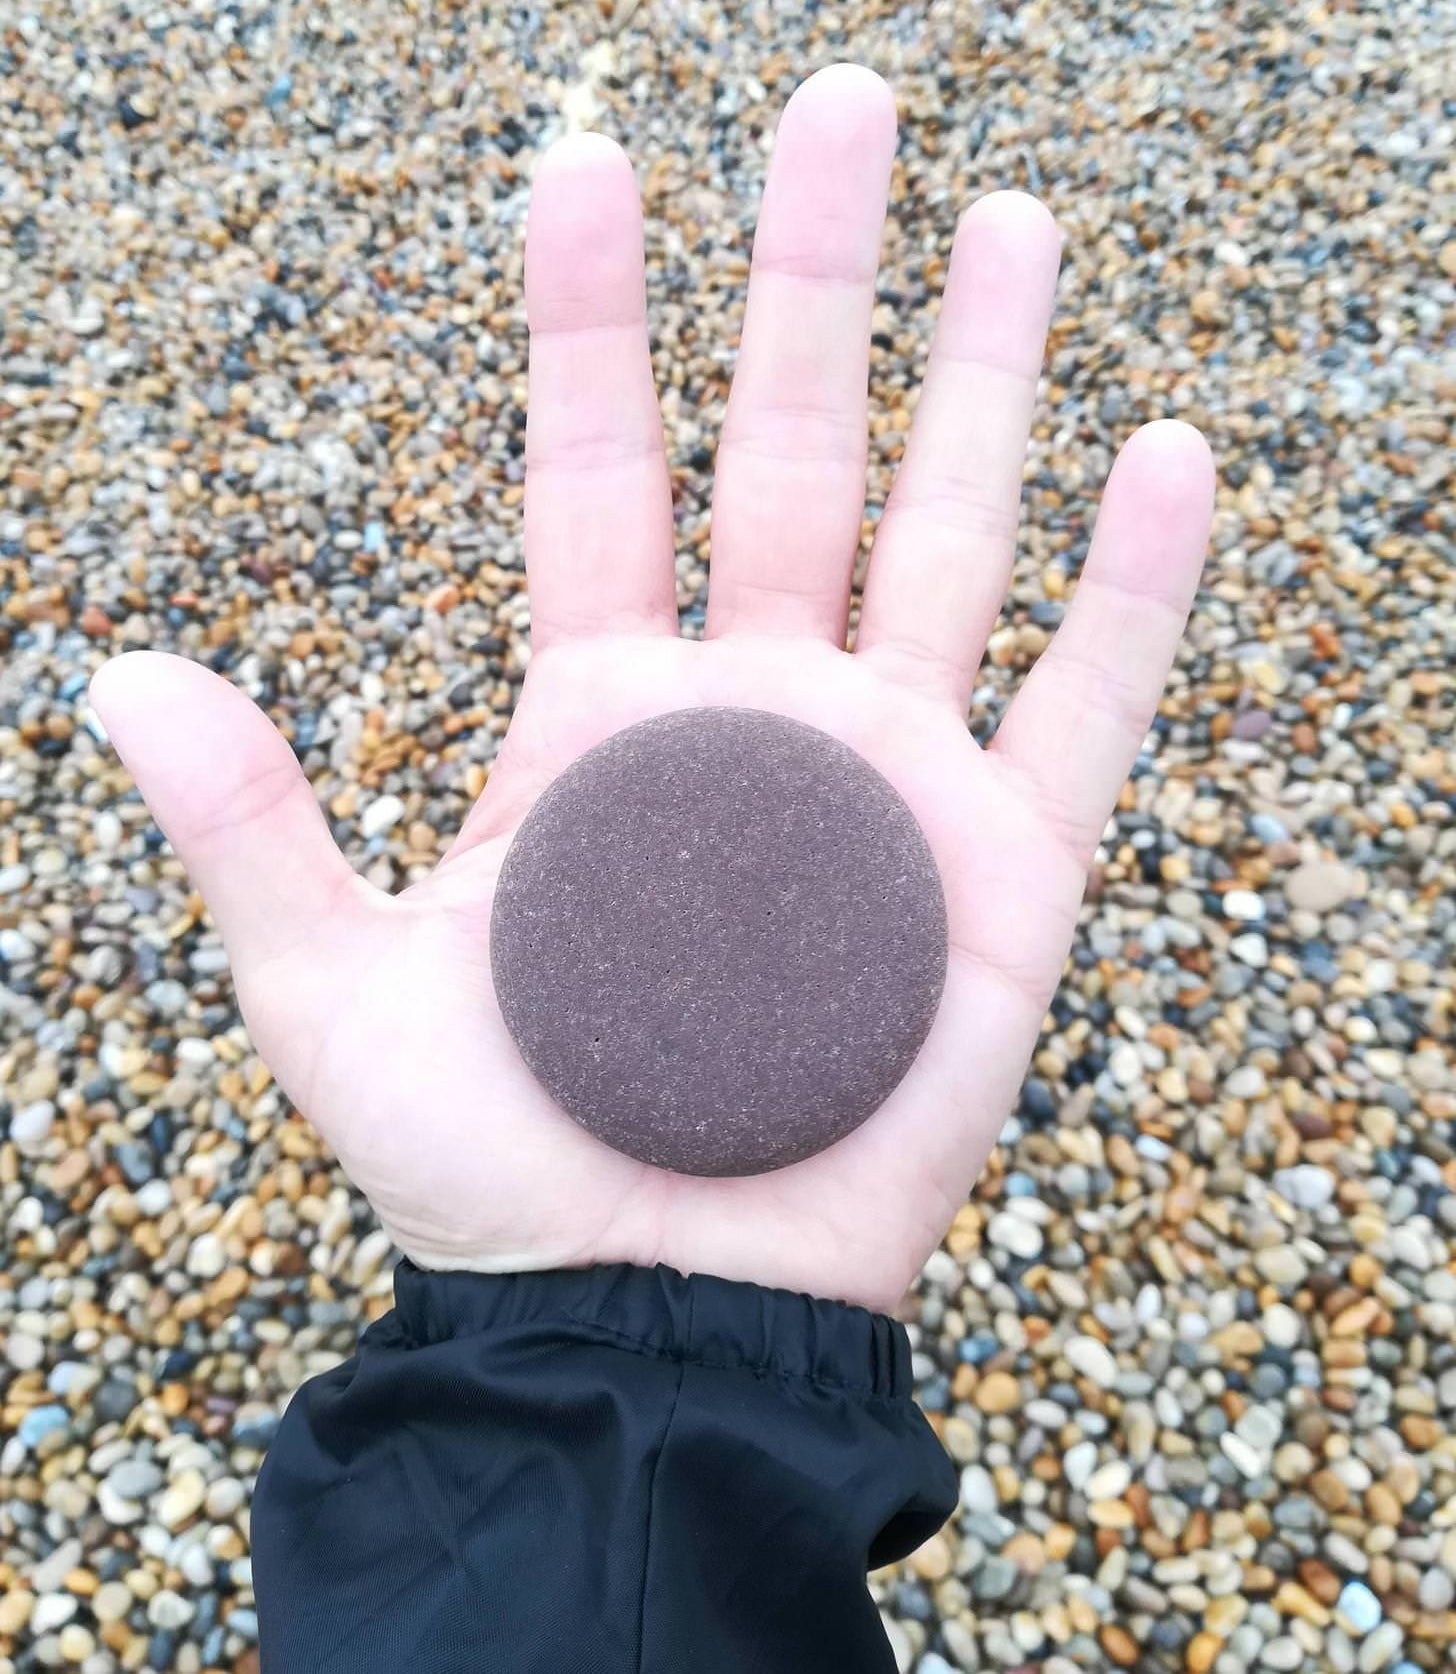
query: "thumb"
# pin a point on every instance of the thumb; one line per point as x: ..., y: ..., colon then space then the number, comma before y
x: 221, y: 781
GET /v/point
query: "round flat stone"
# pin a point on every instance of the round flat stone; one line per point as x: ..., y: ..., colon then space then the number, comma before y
x: 719, y: 940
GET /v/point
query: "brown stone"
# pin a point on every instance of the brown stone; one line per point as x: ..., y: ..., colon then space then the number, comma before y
x: 1359, y: 1319
x: 1321, y: 1581
x: 1383, y: 1505
x: 1420, y: 1432
x: 998, y: 1392
x: 1330, y: 1490
x: 1202, y: 1652
x: 1026, y: 1551
x: 1224, y: 1614
x: 669, y: 1021
x: 932, y: 1561
x: 1294, y: 1600
x: 1119, y: 1644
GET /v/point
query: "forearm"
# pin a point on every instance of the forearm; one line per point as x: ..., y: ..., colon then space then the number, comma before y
x: 604, y: 1470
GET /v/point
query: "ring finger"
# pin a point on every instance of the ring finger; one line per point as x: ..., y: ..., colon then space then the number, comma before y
x: 943, y: 552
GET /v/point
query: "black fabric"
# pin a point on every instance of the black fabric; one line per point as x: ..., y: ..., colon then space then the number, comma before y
x: 616, y: 1470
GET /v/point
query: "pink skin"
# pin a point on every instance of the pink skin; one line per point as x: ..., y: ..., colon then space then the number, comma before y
x: 376, y: 1013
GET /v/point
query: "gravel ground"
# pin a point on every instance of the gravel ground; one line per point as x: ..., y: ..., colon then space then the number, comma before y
x: 261, y: 380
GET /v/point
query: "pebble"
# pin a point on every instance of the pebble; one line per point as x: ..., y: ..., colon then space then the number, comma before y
x: 1092, y: 1360
x: 41, y: 1422
x: 1320, y: 886
x: 978, y: 1491
x: 1358, y: 1609
x: 1245, y: 1458
x: 49, y: 1575
x: 30, y: 1126
x: 1015, y: 1234
x: 1250, y: 949
x: 1110, y: 1481
x: 76, y: 1643
x: 1437, y: 1591
x: 1283, y: 1266
x: 1078, y: 1464
x: 998, y: 1392
x: 1305, y: 1186
x: 207, y: 1257
x: 182, y: 1500
x: 168, y: 1610
x: 380, y: 815
x: 1380, y: 1649
x: 1243, y: 906
x: 134, y: 1479
x: 111, y: 1602
x: 994, y: 1579
x: 1285, y: 1653
x: 52, y: 1610
x: 24, y: 1351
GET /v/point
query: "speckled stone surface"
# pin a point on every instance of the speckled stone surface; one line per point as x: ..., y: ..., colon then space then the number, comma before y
x: 719, y: 940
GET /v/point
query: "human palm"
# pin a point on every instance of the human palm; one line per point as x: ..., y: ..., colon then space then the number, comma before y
x: 377, y: 1013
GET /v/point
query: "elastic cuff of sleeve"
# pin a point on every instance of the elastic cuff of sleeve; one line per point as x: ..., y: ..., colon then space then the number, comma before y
x: 696, y: 1319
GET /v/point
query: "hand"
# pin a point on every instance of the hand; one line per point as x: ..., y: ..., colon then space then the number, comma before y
x: 377, y: 1013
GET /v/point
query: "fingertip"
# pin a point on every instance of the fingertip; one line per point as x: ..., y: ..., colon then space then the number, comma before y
x: 127, y: 676
x: 1012, y: 217
x: 845, y: 79
x: 583, y: 152
x: 1173, y: 459
x: 99, y: 686
x: 584, y: 263
x: 1173, y: 436
x: 824, y: 199
x: 845, y: 95
x: 1001, y: 288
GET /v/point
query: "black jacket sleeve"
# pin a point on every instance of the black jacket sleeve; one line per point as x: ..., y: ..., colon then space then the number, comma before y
x: 616, y: 1470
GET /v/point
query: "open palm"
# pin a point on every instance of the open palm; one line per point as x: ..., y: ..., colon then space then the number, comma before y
x: 377, y: 1013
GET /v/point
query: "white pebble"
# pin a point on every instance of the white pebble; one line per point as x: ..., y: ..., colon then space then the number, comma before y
x: 207, y: 1257
x: 1282, y: 1265
x: 1248, y: 1081
x: 52, y: 1610
x: 1305, y: 1186
x: 1380, y: 1648
x: 1250, y: 949
x: 24, y: 1351
x: 1124, y: 1064
x: 1408, y: 1247
x: 1437, y: 1591
x: 380, y: 815
x: 224, y: 1497
x: 1243, y: 906
x: 165, y: 1609
x: 1243, y: 1457
x: 1282, y: 1326
x: 1110, y: 1482
x: 1283, y: 1653
x: 1092, y: 1359
x: 978, y: 1491
x: 1078, y: 1464
x: 1013, y: 1233
x: 30, y: 1126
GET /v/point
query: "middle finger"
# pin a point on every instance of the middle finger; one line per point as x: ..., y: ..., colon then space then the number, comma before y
x: 789, y: 494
